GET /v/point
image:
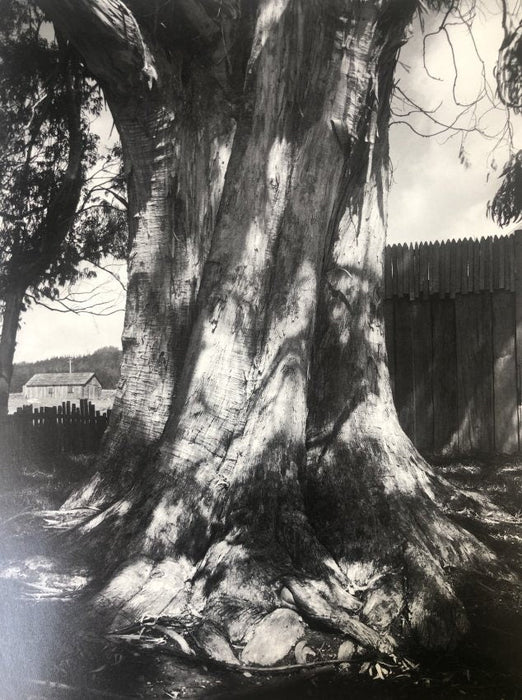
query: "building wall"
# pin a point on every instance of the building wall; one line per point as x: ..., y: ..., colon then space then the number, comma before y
x: 92, y: 390
x: 57, y: 394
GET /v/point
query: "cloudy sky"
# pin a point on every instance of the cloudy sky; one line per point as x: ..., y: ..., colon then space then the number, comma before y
x: 434, y: 195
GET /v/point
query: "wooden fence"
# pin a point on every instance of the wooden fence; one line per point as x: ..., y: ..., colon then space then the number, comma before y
x: 453, y: 314
x: 50, y: 430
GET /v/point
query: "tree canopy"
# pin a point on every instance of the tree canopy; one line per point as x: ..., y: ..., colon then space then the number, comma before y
x: 48, y: 150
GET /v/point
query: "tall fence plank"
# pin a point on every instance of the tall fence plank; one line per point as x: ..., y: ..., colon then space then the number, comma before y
x: 474, y: 373
x: 505, y: 374
x: 476, y: 267
x: 454, y: 271
x: 404, y: 367
x: 444, y: 378
x: 424, y: 282
x: 422, y: 351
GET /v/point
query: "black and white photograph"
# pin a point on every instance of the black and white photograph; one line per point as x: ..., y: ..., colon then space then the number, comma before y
x: 261, y: 349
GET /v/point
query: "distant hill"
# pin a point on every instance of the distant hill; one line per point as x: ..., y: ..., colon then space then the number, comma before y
x: 105, y: 362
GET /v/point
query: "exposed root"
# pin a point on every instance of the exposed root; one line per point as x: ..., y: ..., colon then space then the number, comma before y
x: 205, y: 642
x: 96, y: 493
x: 143, y: 588
x: 41, y: 578
x: 237, y: 590
x: 243, y: 606
x: 319, y: 607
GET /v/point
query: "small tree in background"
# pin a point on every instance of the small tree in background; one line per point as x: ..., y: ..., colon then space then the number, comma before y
x: 52, y: 215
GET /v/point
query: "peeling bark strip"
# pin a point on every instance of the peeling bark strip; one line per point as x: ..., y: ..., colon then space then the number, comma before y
x: 258, y: 172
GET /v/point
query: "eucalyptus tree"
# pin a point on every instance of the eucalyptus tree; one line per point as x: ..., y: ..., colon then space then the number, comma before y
x: 254, y: 460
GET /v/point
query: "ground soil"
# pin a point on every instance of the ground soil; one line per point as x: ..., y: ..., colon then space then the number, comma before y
x: 47, y: 652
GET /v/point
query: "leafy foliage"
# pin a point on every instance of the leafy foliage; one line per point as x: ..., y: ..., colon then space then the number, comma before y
x: 506, y: 206
x: 47, y: 102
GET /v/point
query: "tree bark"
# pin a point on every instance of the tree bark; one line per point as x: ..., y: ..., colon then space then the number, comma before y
x: 275, y: 474
x: 12, y: 308
x: 176, y: 145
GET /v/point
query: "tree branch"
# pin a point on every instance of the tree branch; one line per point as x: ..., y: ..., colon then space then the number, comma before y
x: 197, y: 19
x: 110, y: 272
x: 107, y: 36
x: 509, y: 66
x: 78, y: 310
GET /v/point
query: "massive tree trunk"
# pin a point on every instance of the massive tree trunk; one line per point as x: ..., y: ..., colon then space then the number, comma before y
x: 176, y: 151
x: 255, y: 460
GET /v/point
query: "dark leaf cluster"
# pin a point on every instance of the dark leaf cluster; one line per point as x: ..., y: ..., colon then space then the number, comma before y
x: 506, y: 206
x: 39, y: 77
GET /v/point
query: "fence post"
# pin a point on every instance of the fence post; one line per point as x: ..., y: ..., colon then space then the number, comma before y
x: 518, y: 327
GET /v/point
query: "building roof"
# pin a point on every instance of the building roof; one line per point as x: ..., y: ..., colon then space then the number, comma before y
x: 61, y: 379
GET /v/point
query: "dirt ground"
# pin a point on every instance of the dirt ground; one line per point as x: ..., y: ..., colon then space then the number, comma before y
x: 48, y: 652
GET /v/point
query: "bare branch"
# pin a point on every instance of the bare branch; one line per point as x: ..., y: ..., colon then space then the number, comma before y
x: 445, y: 126
x: 109, y: 272
x: 432, y: 34
x: 78, y: 310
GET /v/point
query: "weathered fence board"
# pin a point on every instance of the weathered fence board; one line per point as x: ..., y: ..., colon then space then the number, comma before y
x: 422, y: 352
x: 474, y: 373
x: 450, y: 267
x: 454, y: 339
x: 505, y: 374
x: 404, y: 379
x: 444, y: 377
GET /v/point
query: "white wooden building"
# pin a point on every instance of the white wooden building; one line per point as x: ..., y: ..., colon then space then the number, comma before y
x: 55, y: 387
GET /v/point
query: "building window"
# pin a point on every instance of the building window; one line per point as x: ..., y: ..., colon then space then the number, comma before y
x: 50, y: 391
x: 70, y: 389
